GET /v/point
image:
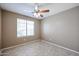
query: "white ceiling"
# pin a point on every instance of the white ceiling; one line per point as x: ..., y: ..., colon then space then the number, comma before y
x: 27, y: 8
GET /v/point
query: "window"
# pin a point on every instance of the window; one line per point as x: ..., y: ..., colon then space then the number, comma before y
x: 25, y: 28
x: 30, y: 28
x: 21, y: 27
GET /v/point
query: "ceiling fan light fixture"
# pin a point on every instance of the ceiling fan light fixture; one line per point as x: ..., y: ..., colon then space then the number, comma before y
x: 39, y: 12
x: 37, y: 15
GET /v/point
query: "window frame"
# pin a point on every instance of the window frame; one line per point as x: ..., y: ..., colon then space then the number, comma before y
x: 33, y: 27
x: 26, y: 28
x: 17, y: 28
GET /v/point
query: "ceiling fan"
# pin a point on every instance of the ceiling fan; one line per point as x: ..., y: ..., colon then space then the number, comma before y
x: 39, y: 12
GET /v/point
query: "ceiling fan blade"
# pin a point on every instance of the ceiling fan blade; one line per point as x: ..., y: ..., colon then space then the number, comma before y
x: 43, y: 10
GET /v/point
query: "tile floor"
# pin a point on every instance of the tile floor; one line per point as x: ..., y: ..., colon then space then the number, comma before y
x: 37, y: 49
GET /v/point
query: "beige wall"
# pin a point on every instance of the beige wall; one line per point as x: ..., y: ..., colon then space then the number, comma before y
x: 63, y: 28
x: 9, y: 37
x: 0, y: 28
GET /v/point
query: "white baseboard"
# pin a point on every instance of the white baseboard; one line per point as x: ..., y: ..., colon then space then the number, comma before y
x: 19, y: 45
x: 46, y: 41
